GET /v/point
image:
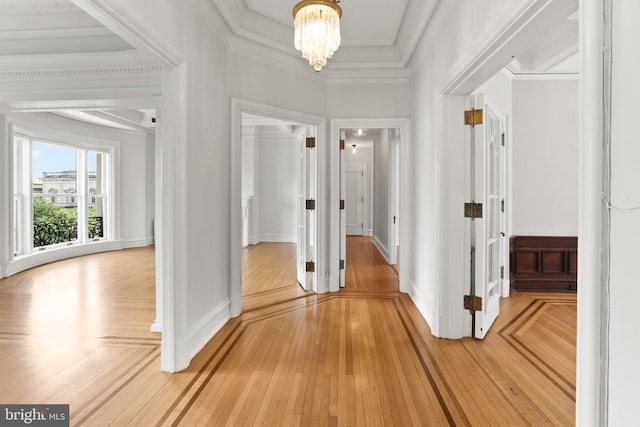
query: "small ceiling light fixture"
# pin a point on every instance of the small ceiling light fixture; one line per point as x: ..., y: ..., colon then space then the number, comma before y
x: 354, y: 148
x: 360, y: 132
x: 317, y: 30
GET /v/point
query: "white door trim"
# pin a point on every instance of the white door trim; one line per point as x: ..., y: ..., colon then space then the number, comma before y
x: 593, y: 311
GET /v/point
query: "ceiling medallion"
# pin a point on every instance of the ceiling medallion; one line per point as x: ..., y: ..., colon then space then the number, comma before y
x: 317, y: 30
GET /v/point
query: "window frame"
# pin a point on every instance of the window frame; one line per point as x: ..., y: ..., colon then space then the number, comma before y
x: 22, y: 210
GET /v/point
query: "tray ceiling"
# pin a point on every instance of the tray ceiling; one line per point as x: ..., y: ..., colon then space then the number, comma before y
x: 380, y: 32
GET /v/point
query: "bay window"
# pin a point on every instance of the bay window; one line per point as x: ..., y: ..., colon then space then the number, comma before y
x: 61, y: 194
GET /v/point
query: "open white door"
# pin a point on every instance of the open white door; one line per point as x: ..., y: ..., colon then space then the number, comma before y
x: 488, y: 228
x: 343, y: 214
x: 306, y: 257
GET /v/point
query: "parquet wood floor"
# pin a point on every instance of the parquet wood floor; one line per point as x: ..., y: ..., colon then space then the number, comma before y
x: 77, y: 332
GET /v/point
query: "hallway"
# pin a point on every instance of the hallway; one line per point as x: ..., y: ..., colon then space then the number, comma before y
x: 76, y: 332
x: 366, y: 268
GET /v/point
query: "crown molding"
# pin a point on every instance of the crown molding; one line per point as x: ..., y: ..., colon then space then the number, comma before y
x: 75, y: 60
x: 71, y: 66
x: 265, y: 31
x: 54, y: 33
x: 545, y: 76
x: 133, y: 29
x: 81, y: 73
x: 79, y: 100
x: 417, y: 18
x: 357, y: 73
x: 17, y: 7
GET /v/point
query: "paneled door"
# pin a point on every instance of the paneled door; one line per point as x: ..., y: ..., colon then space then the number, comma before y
x: 354, y: 203
x: 488, y: 233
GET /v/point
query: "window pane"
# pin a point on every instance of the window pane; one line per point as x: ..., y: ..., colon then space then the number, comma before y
x: 55, y: 194
x: 96, y: 220
x: 96, y: 162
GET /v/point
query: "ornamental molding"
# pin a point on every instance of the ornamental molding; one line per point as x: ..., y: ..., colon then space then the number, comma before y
x: 80, y: 73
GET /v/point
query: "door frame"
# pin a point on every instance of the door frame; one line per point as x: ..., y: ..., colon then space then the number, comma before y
x: 171, y: 134
x: 239, y: 106
x: 474, y: 70
x: 480, y: 65
x: 335, y: 127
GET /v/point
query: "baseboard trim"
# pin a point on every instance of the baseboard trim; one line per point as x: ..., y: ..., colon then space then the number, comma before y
x: 381, y: 248
x: 156, y: 326
x: 64, y: 252
x: 203, y: 330
x: 134, y: 243
x: 58, y: 254
x: 277, y: 238
x: 422, y: 304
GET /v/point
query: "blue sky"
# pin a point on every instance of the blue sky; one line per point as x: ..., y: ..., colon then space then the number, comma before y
x: 54, y: 158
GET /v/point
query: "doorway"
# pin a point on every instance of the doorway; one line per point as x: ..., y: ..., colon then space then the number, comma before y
x: 356, y: 197
x: 278, y: 176
x: 369, y: 194
x: 274, y: 203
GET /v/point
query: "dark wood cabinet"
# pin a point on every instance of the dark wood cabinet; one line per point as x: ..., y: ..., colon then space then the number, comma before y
x: 544, y: 263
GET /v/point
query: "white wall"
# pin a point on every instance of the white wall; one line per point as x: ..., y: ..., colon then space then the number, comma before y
x: 277, y: 182
x: 196, y: 169
x: 499, y: 91
x: 545, y: 157
x: 150, y: 183
x: 624, y: 345
x: 260, y: 81
x: 542, y: 135
x: 381, y: 147
x: 361, y: 99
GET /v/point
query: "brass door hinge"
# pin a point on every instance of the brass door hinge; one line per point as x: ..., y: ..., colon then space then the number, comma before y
x: 342, y: 144
x: 472, y: 303
x: 311, y: 142
x: 310, y: 267
x: 473, y: 210
x: 310, y: 205
x: 473, y: 117
x: 341, y: 204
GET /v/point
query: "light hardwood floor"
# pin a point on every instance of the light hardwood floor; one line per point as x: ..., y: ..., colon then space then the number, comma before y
x: 76, y: 332
x: 269, y: 275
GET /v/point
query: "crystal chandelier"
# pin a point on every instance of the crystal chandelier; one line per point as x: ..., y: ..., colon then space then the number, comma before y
x: 317, y: 30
